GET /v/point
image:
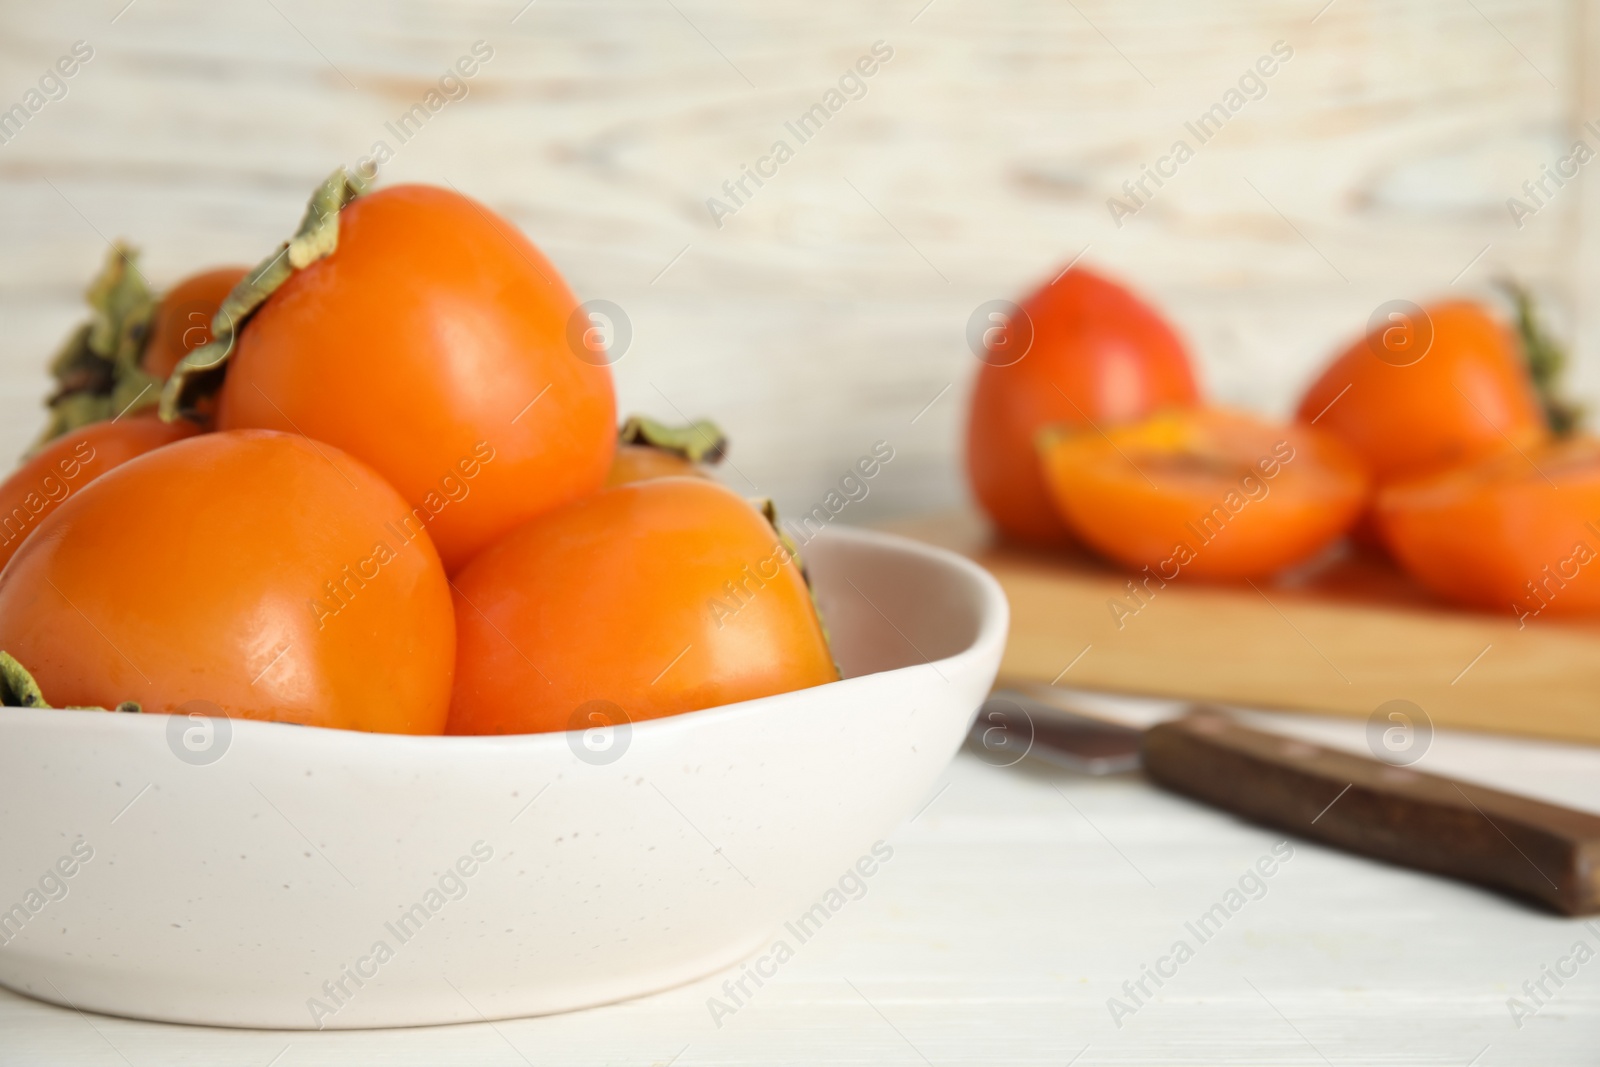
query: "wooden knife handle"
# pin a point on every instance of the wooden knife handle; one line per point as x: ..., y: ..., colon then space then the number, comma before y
x: 1513, y: 844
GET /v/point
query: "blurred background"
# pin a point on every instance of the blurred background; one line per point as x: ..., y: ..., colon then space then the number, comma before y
x: 829, y: 310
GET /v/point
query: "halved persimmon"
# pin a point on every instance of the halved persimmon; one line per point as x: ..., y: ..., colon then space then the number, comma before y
x: 1516, y: 532
x: 1208, y: 493
x: 269, y: 575
x: 650, y: 599
x: 70, y: 462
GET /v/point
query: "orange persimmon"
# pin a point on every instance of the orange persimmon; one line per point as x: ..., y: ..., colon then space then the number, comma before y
x: 643, y: 463
x: 433, y: 345
x: 1515, y: 532
x: 1083, y: 351
x: 1424, y: 392
x: 1208, y: 493
x: 648, y: 449
x: 70, y: 462
x: 267, y: 574
x: 655, y: 598
x: 182, y: 320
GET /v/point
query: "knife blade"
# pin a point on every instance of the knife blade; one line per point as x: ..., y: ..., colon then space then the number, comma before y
x: 1011, y: 725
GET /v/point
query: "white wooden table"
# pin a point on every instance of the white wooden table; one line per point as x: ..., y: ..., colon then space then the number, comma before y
x: 1017, y: 902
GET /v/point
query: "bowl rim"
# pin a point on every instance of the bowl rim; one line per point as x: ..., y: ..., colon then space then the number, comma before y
x: 993, y: 622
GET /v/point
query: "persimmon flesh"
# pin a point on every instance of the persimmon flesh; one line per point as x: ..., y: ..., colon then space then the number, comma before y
x: 1208, y: 493
x: 1516, y: 532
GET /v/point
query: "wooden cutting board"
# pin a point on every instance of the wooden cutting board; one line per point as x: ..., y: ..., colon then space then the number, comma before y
x: 1344, y: 636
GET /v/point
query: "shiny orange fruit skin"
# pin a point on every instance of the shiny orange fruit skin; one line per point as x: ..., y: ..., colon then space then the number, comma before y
x: 70, y: 462
x: 182, y: 322
x: 1513, y: 532
x: 1099, y: 354
x: 433, y: 346
x: 658, y: 597
x: 242, y: 569
x: 1469, y: 396
x: 1206, y: 493
x: 641, y: 463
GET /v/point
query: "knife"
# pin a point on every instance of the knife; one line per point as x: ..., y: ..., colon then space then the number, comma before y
x: 1526, y: 848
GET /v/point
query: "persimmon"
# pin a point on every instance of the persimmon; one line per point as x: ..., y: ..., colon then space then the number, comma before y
x: 656, y: 597
x: 1208, y: 493
x: 1514, y: 532
x: 642, y: 463
x: 1420, y: 393
x: 270, y: 575
x: 70, y: 462
x: 648, y: 449
x: 182, y: 319
x: 432, y: 345
x: 1084, y: 351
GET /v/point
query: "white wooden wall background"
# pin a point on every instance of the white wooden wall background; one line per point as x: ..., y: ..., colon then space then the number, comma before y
x: 830, y: 311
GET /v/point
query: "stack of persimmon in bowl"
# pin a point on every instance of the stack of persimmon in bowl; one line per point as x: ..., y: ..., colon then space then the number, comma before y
x: 375, y: 486
x: 395, y: 418
x: 1438, y: 438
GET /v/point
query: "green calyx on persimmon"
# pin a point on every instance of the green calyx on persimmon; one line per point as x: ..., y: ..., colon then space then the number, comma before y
x: 701, y: 441
x: 200, y: 373
x: 96, y: 370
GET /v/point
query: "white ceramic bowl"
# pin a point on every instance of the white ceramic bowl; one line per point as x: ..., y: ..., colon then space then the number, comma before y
x: 504, y: 876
